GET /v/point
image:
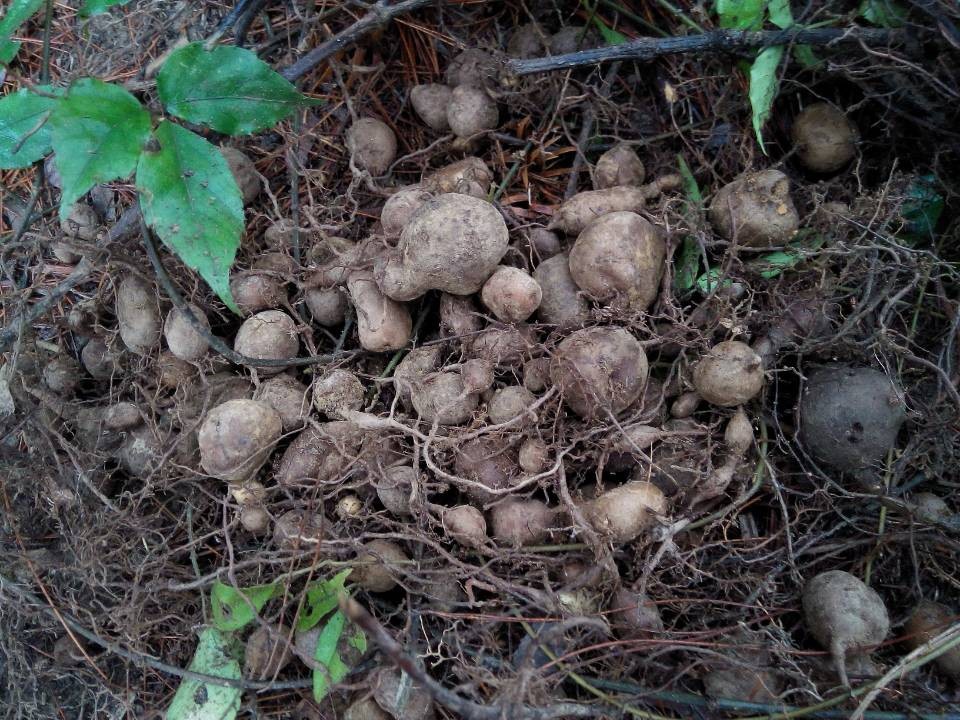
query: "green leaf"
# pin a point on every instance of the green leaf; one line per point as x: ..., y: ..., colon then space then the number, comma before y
x: 98, y: 131
x: 228, y: 89
x: 18, y: 12
x: 741, y: 14
x: 322, y: 597
x: 95, y: 7
x: 24, y: 130
x: 690, y: 187
x: 190, y: 198
x: 231, y: 611
x: 764, y: 83
x: 885, y: 13
x: 773, y: 264
x: 610, y: 36
x: 780, y: 14
x: 806, y: 57
x: 332, y: 669
x: 217, y: 654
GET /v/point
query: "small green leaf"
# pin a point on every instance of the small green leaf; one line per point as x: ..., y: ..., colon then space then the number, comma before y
x: 610, y: 36
x: 764, y: 83
x: 773, y: 264
x: 741, y: 14
x: 690, y: 187
x: 322, y: 597
x: 217, y: 654
x: 24, y: 130
x: 98, y: 131
x: 231, y: 611
x: 228, y: 89
x: 18, y: 12
x: 885, y: 13
x: 190, y: 198
x: 806, y: 57
x: 780, y: 14
x: 95, y: 7
x: 332, y: 669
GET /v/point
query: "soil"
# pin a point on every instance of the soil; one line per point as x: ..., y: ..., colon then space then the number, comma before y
x: 127, y: 545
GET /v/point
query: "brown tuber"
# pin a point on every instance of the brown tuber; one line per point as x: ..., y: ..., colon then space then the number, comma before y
x: 452, y: 243
x: 269, y: 335
x: 287, y: 395
x: 738, y: 435
x: 401, y: 696
x: 526, y: 41
x: 400, y: 207
x: 561, y: 301
x: 268, y: 652
x: 730, y: 374
x: 62, y: 375
x: 473, y: 67
x: 521, y: 522
x: 394, y: 489
x: 619, y: 256
x: 585, y: 207
x: 244, y: 172
x: 465, y: 524
x: 844, y: 615
x: 509, y: 403
x: 442, y: 398
x: 236, y: 439
x: 382, y: 323
x: 469, y: 176
x: 534, y: 456
x: 825, y: 138
x: 471, y: 111
x: 327, y: 306
x: 430, y: 102
x: 477, y: 375
x: 372, y: 145
x: 634, y: 614
x: 138, y: 315
x: 98, y: 360
x: 255, y: 291
x: 599, y: 370
x: 182, y: 338
x: 756, y: 210
x: 625, y: 512
x: 928, y: 620
x: 511, y: 294
x: 378, y: 565
x: 81, y: 222
x: 618, y: 166
x: 336, y: 391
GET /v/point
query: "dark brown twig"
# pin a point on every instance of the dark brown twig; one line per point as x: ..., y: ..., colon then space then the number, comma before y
x: 716, y: 41
x: 380, y: 14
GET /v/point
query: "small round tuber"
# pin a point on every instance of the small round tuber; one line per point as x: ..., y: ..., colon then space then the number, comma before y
x: 287, y: 395
x: 465, y: 524
x: 336, y: 391
x: 756, y: 210
x: 626, y: 511
x: 730, y: 374
x: 372, y: 145
x: 430, y: 102
x: 618, y: 166
x: 138, y: 315
x: 826, y: 140
x: 244, y: 172
x: 471, y: 111
x: 511, y: 294
x: 268, y: 335
x: 182, y: 338
x: 378, y: 565
x: 521, y: 522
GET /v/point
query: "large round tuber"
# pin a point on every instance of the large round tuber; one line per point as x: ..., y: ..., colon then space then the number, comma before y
x: 825, y: 138
x: 844, y: 615
x: 236, y: 439
x: 618, y: 166
x: 599, y: 370
x: 452, y: 243
x: 521, y: 522
x: 185, y: 341
x: 625, y: 512
x: 850, y: 417
x: 730, y: 374
x: 465, y: 525
x: 511, y: 294
x: 471, y: 111
x: 430, y: 102
x: 756, y: 210
x: 619, y: 256
x: 269, y: 335
x: 372, y: 145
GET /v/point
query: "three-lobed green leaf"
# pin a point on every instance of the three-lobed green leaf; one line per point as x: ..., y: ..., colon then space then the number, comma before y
x: 24, y: 126
x: 191, y: 200
x: 95, y: 7
x: 17, y: 13
x: 98, y: 131
x: 217, y: 654
x: 234, y: 608
x: 227, y: 88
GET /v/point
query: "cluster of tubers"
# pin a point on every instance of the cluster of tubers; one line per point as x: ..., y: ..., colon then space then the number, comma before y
x: 534, y: 327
